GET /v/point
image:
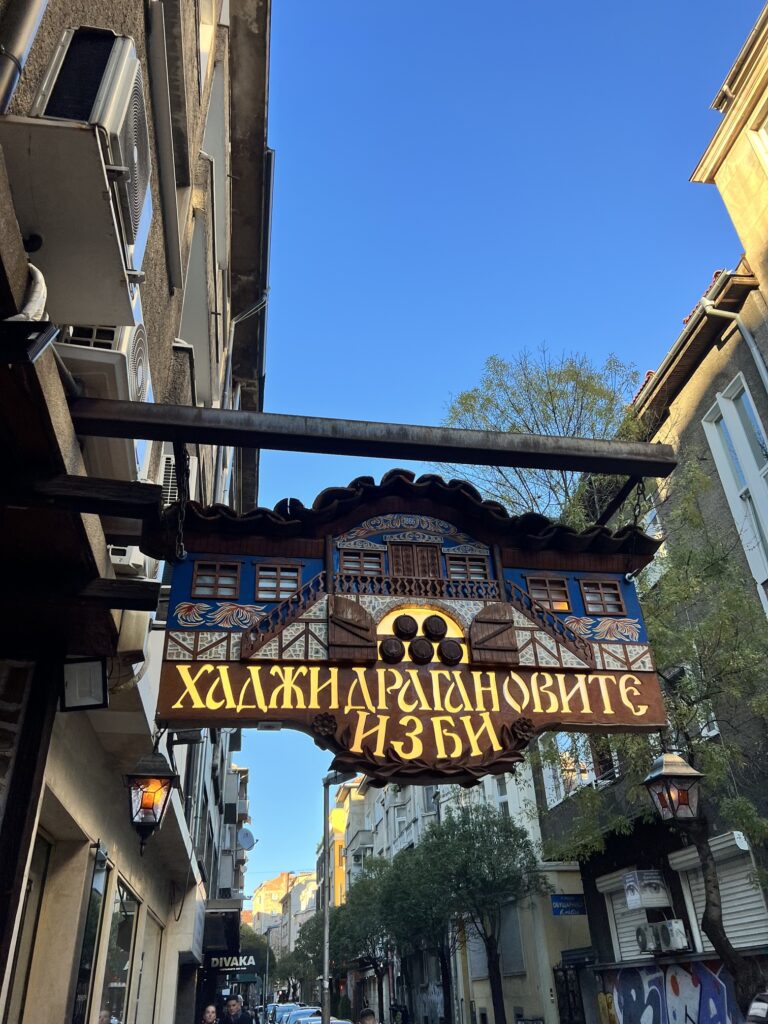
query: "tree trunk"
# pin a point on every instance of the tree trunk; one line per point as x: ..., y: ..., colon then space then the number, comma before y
x: 447, y: 982
x: 380, y: 971
x: 494, y: 977
x: 747, y: 975
x: 405, y: 971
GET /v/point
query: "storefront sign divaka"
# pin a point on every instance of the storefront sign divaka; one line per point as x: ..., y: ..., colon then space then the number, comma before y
x: 415, y: 650
x: 231, y: 962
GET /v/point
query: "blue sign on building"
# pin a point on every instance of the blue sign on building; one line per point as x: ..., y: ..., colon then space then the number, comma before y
x: 564, y: 904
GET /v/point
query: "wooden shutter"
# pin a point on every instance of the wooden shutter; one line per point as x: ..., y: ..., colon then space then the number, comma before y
x: 414, y: 561
x: 492, y: 636
x: 351, y: 632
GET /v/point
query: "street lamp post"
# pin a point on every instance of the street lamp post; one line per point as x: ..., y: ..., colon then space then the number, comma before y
x: 331, y: 779
x: 270, y: 928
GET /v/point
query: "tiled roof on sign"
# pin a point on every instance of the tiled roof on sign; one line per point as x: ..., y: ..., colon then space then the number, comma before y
x: 338, y: 508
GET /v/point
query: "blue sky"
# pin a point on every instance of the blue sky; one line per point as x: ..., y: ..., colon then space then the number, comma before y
x: 456, y: 181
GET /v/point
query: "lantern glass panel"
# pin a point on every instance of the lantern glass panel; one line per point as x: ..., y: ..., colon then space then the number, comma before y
x: 149, y: 797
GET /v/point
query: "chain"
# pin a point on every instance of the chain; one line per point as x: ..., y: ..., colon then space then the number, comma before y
x: 182, y: 483
x: 637, y: 511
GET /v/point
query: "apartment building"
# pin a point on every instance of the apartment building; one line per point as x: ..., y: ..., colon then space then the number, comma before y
x: 124, y: 130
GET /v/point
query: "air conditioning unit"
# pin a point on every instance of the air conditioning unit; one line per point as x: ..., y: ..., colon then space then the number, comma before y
x: 168, y: 476
x: 92, y: 223
x: 95, y: 76
x: 647, y: 938
x: 672, y: 935
x: 129, y: 560
x: 111, y: 362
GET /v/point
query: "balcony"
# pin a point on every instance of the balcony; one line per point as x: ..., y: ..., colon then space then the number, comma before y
x: 406, y: 838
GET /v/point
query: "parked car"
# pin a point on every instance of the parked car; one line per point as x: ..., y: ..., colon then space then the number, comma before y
x: 282, y: 1011
x: 302, y: 1014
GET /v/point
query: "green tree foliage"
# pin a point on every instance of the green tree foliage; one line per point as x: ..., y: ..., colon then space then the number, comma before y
x: 416, y: 913
x: 486, y: 861
x: 710, y: 642
x: 252, y: 942
x: 538, y: 393
x: 362, y: 936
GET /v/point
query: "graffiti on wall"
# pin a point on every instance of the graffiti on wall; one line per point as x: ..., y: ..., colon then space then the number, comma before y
x: 694, y: 993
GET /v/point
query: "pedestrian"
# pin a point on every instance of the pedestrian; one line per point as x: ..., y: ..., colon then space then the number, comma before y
x: 233, y: 1011
x: 209, y: 1015
x: 367, y: 1016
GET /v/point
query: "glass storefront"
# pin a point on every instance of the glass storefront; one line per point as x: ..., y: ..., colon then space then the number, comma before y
x: 91, y: 934
x: 117, y: 973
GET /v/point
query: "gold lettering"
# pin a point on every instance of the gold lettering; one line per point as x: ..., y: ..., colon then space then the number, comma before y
x: 630, y: 686
x: 316, y: 688
x: 227, y: 699
x: 287, y: 692
x: 190, y: 685
x: 421, y: 698
x: 578, y: 688
x: 473, y: 735
x: 602, y: 681
x: 491, y: 688
x: 254, y: 681
x: 379, y: 730
x: 440, y: 725
x: 417, y: 747
x: 436, y: 675
x: 525, y: 696
x: 360, y: 683
x: 384, y: 688
x: 458, y: 686
x: 538, y: 688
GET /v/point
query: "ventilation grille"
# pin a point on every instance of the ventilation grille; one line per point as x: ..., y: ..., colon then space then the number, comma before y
x: 138, y: 360
x: 79, y: 80
x: 133, y: 142
x: 93, y: 337
x: 168, y: 483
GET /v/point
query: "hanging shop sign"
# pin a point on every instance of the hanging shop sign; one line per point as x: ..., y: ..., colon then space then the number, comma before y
x: 410, y: 628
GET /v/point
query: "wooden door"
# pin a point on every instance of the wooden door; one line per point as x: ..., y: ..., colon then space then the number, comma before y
x: 415, y: 561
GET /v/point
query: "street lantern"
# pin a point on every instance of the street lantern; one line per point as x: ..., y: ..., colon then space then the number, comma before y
x: 674, y: 788
x: 150, y: 785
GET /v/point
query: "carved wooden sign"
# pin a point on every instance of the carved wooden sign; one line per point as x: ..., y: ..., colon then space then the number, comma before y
x: 414, y: 651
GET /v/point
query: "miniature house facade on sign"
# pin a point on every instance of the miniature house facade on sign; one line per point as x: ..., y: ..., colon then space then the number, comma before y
x: 417, y: 631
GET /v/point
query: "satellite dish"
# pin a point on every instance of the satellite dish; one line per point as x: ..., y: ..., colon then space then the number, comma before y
x: 245, y: 839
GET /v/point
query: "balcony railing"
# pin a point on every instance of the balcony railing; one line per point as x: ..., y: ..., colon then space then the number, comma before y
x: 407, y: 586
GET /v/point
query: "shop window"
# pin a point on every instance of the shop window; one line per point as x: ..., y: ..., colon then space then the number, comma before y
x: 602, y: 597
x: 276, y: 582
x: 550, y: 591
x: 467, y: 568
x: 362, y: 563
x: 219, y: 580
x: 117, y: 973
x: 93, y: 920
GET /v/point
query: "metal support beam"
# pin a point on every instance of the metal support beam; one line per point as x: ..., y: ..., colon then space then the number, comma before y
x: 618, y: 500
x: 104, y: 418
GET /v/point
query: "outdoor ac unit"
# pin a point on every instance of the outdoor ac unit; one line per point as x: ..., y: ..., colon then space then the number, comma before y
x: 647, y: 938
x: 95, y: 76
x: 672, y: 935
x: 168, y: 476
x: 110, y: 362
x: 129, y: 560
x: 79, y: 172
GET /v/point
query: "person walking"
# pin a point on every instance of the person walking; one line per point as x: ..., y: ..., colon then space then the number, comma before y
x: 367, y: 1016
x: 234, y: 1013
x: 209, y: 1015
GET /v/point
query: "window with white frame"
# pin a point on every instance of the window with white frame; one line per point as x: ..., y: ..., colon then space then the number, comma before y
x: 652, y: 525
x: 738, y: 443
x: 565, y: 765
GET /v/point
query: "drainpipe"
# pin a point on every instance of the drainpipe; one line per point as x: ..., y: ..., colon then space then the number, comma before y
x: 759, y: 360
x: 17, y: 33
